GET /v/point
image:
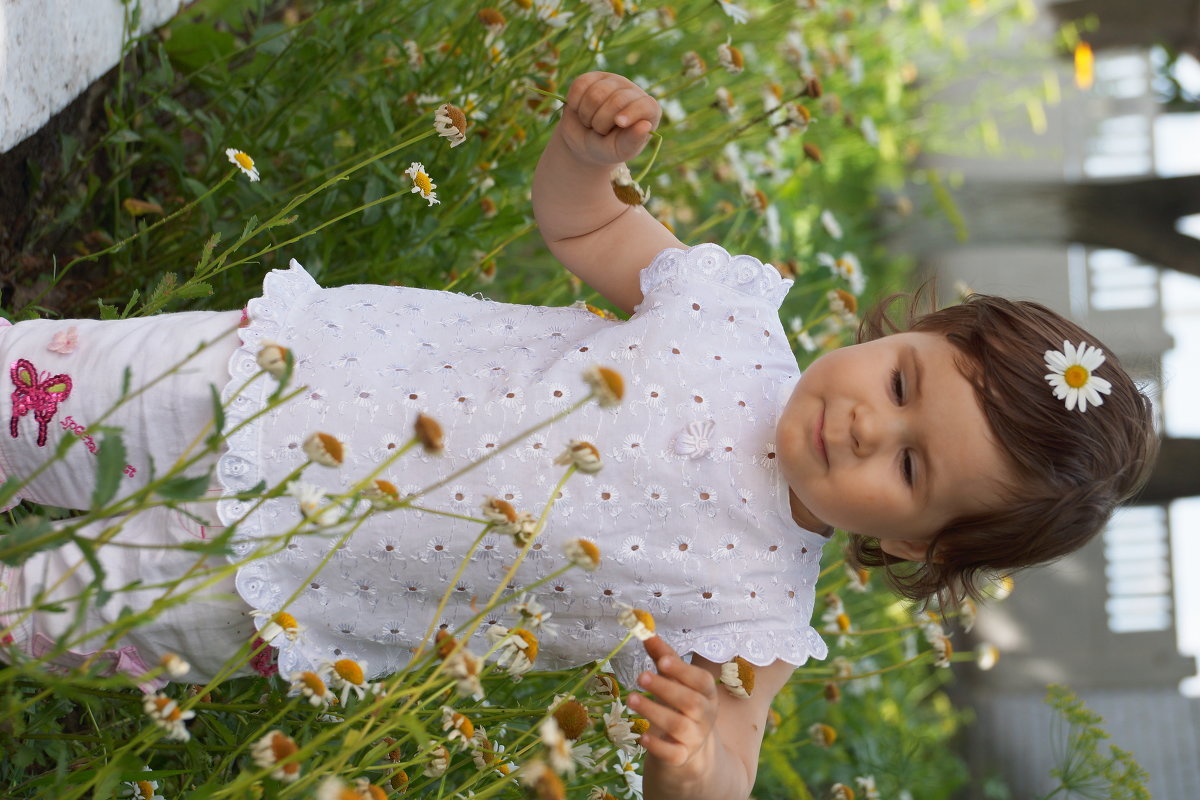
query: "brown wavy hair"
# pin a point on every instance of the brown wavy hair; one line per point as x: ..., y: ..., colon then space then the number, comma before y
x: 1072, y: 468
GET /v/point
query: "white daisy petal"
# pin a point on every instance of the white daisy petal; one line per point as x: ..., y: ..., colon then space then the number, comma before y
x: 1072, y: 377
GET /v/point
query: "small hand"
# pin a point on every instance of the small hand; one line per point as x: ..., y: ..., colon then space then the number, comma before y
x: 684, y: 711
x: 608, y: 118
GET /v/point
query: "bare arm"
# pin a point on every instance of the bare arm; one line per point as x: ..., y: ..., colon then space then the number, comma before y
x: 606, y: 121
x: 703, y: 742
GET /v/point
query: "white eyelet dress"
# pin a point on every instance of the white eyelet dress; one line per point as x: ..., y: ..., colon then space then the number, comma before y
x: 689, y: 512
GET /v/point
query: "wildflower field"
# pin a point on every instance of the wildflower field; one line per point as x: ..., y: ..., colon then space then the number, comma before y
x: 393, y: 142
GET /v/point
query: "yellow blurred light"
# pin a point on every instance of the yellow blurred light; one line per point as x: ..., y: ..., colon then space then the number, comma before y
x: 1085, y: 66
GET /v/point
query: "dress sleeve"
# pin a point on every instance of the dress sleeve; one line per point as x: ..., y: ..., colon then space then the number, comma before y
x: 713, y: 264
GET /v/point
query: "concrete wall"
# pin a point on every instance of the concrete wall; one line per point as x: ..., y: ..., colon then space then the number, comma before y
x: 51, y: 50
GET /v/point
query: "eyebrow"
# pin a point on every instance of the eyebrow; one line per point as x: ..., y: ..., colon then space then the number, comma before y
x: 927, y: 460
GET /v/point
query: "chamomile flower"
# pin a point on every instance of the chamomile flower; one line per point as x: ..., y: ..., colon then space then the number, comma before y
x: 516, y: 649
x: 459, y: 727
x: 571, y: 715
x: 175, y: 666
x: 451, y: 124
x: 986, y: 655
x: 822, y: 735
x: 313, y: 504
x: 167, y: 715
x: 273, y: 359
x: 274, y: 748
x: 542, y: 780
x: 693, y: 64
x: 422, y: 183
x: 551, y: 14
x: 845, y: 267
x: 558, y: 750
x: 466, y: 667
x: 243, y: 162
x: 311, y: 685
x: 606, y: 383
x: 637, y: 621
x: 279, y: 623
x: 349, y: 676
x: 429, y: 432
x: 867, y: 784
x: 142, y: 790
x: 730, y: 57
x: 583, y: 553
x: 626, y: 189
x: 324, y: 449
x: 831, y: 225
x: 619, y: 729
x: 1072, y: 375
x: 738, y: 677
x: 628, y: 770
x: 439, y: 760
x: 735, y: 13
x: 583, y: 455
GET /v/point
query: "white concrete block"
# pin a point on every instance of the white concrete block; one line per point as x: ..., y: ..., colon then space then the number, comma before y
x: 51, y: 50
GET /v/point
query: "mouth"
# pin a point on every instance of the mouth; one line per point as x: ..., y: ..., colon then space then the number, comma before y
x: 819, y: 437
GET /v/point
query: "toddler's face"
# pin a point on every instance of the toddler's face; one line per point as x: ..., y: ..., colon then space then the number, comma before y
x: 887, y: 439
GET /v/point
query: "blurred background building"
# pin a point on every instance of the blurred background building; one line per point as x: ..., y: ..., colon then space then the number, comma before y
x: 1093, y: 210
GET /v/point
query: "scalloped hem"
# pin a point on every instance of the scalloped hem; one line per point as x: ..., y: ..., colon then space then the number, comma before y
x: 239, y: 467
x: 742, y: 273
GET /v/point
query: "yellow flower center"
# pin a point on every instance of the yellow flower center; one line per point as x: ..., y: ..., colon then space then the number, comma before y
x: 639, y: 726
x: 313, y: 682
x: 349, y: 671
x: 281, y: 747
x: 333, y: 447
x: 285, y: 620
x: 613, y: 380
x: 572, y: 718
x: 531, y: 643
x: 589, y: 549
x: 244, y: 161
x: 645, y: 618
x: 423, y: 183
x: 388, y: 488
x: 843, y: 622
x: 463, y: 724
x: 145, y: 790
x: 1076, y: 376
x: 161, y: 703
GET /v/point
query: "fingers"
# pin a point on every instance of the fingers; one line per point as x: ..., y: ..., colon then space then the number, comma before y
x: 604, y: 101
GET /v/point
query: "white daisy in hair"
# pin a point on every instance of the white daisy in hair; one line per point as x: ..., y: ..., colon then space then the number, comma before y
x: 1072, y: 375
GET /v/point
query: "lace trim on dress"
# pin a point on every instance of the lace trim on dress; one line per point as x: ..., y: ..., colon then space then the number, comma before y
x: 760, y: 647
x: 742, y: 273
x: 239, y: 468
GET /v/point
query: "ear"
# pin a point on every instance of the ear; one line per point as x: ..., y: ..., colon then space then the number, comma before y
x: 908, y: 549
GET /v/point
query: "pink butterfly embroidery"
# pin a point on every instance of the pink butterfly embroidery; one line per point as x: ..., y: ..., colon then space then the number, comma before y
x: 41, y: 395
x: 64, y: 342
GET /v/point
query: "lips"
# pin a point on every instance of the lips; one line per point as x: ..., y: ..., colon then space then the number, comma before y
x: 819, y: 437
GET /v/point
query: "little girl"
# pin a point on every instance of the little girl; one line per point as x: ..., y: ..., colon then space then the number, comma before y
x: 963, y: 444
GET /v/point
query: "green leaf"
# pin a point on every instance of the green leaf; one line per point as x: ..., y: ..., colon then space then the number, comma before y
x: 251, y: 224
x: 88, y: 549
x: 129, y: 306
x: 195, y: 45
x: 107, y: 312
x: 207, y: 253
x: 110, y: 468
x: 254, y: 492
x: 18, y: 542
x: 193, y: 289
x: 218, y: 408
x: 183, y: 487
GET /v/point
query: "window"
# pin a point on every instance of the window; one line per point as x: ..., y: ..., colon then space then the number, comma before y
x: 1138, y: 570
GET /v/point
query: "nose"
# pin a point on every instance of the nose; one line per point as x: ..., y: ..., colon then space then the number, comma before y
x: 872, y: 429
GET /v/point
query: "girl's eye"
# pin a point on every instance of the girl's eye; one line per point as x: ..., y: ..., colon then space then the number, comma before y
x: 906, y: 466
x: 898, y: 385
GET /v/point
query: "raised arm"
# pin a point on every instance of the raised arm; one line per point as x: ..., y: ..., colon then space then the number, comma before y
x: 703, y: 742
x: 606, y: 121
